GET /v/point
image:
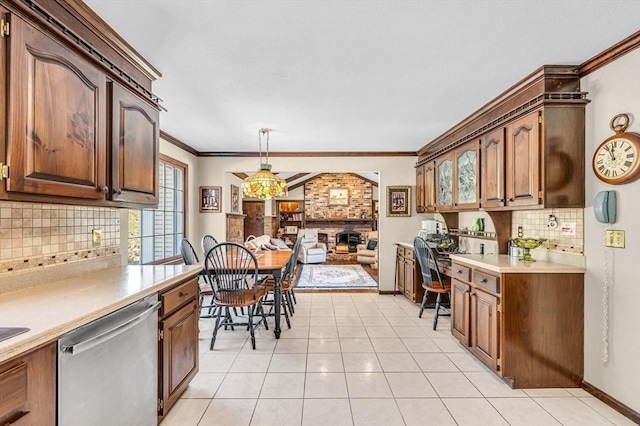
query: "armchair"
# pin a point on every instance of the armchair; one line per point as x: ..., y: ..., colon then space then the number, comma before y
x: 368, y: 252
x: 311, y: 251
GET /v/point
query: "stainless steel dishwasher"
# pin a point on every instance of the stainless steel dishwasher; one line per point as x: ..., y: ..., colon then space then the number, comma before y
x: 108, y: 369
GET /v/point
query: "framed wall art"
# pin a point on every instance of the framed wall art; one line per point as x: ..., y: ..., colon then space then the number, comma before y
x: 235, y: 199
x: 338, y: 197
x: 210, y: 199
x: 398, y: 201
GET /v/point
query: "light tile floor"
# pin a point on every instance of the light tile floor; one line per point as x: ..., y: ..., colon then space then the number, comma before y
x: 363, y: 359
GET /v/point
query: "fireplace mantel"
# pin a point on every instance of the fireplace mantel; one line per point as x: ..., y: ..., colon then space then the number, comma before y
x: 366, y: 220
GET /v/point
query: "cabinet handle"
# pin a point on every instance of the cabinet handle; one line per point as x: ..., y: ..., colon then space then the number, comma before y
x: 459, y: 271
x: 483, y: 280
x: 512, y: 199
x: 117, y: 191
x: 183, y: 294
x: 501, y: 200
x: 103, y: 189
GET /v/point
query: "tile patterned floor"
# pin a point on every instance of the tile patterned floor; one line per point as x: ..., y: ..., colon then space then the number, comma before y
x: 364, y: 359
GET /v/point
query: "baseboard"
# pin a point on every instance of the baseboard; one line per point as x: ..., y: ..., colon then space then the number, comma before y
x: 612, y: 402
x: 388, y: 292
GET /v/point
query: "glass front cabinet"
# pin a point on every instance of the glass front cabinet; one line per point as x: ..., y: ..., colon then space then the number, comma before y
x: 457, y: 178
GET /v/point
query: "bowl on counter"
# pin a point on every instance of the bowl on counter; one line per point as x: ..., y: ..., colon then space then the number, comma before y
x: 527, y: 243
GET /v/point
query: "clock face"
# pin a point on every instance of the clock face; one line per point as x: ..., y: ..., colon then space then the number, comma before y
x: 616, y: 160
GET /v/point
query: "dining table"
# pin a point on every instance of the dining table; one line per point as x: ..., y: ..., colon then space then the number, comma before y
x: 273, y: 262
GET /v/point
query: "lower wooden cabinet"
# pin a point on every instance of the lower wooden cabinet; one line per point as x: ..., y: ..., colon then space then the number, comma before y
x: 28, y: 388
x: 527, y: 327
x: 408, y: 275
x: 177, y: 342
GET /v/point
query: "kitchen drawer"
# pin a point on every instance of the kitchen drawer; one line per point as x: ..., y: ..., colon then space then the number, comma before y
x: 177, y: 296
x: 460, y: 272
x: 486, y: 281
x: 13, y: 383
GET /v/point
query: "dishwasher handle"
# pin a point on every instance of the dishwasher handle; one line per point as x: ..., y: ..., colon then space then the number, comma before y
x: 93, y: 341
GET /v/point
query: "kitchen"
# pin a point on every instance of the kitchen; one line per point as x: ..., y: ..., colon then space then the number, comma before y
x: 615, y: 378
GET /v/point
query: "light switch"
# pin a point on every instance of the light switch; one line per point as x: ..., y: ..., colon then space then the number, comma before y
x: 96, y: 237
x: 615, y: 239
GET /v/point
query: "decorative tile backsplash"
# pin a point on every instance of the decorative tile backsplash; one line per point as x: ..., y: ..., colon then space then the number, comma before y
x: 535, y: 223
x: 34, y: 235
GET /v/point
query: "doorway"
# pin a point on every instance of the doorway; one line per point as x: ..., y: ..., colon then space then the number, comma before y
x: 254, y: 220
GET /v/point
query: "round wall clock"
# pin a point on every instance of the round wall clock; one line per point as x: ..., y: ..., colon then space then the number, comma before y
x: 617, y: 159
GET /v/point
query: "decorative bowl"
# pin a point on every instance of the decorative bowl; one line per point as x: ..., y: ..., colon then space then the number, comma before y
x: 528, y: 243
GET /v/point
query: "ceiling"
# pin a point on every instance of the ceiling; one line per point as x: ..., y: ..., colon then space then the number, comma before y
x: 330, y: 76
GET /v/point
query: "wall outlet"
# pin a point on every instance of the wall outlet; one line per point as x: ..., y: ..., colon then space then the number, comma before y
x: 520, y: 231
x: 615, y: 239
x: 96, y: 237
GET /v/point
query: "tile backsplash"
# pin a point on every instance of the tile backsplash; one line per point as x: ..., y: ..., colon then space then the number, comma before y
x: 35, y: 235
x: 535, y: 223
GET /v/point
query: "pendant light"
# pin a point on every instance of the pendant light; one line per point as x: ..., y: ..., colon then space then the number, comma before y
x: 264, y: 184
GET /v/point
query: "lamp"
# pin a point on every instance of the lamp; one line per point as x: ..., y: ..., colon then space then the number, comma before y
x: 264, y: 184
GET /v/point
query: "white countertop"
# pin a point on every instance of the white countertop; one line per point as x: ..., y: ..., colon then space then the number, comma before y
x: 502, y: 263
x: 53, y: 309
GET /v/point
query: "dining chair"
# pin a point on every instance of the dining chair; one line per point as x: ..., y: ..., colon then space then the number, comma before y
x: 234, y: 271
x: 287, y: 283
x: 440, y: 284
x: 190, y: 257
x: 208, y: 241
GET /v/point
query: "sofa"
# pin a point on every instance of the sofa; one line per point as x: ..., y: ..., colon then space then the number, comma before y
x: 367, y: 253
x: 311, y: 250
x: 265, y: 242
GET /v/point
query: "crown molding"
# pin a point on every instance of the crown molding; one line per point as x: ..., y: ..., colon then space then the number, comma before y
x: 611, y: 54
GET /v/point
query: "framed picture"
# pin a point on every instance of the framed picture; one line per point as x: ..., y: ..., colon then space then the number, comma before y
x: 398, y: 201
x: 210, y: 199
x: 235, y: 199
x: 338, y: 197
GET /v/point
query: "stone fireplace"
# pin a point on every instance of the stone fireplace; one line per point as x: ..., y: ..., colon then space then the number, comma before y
x: 349, y: 238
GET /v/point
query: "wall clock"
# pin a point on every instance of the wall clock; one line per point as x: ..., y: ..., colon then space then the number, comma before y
x: 617, y: 159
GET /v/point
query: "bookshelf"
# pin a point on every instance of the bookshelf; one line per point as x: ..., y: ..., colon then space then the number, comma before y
x: 290, y: 215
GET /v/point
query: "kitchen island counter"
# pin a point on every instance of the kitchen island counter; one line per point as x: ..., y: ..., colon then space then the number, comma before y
x: 53, y: 309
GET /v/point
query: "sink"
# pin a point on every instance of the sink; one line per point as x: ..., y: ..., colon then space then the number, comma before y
x: 9, y: 332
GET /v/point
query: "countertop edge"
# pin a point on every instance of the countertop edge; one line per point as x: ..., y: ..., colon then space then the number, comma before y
x: 505, y: 264
x: 21, y: 344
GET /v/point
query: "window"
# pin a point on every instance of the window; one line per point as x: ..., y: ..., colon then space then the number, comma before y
x: 155, y: 234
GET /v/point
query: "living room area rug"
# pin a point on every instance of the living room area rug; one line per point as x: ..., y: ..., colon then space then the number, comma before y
x: 335, y: 277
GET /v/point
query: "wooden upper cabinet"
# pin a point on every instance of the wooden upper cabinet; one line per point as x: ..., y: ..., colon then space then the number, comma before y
x: 523, y: 161
x: 134, y: 148
x: 467, y: 173
x: 56, y: 115
x: 493, y: 169
x: 426, y: 187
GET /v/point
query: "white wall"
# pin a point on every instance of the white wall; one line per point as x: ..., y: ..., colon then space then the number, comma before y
x: 393, y: 171
x: 613, y: 89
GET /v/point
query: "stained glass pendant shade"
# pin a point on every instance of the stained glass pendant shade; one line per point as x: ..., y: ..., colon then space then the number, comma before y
x: 264, y: 184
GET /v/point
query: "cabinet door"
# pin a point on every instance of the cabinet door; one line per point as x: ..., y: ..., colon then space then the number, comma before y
x: 409, y: 276
x: 179, y: 354
x: 430, y: 186
x: 493, y: 169
x: 400, y: 272
x: 460, y: 311
x: 444, y: 182
x: 134, y: 148
x: 523, y: 161
x: 467, y: 182
x: 420, y: 186
x: 484, y: 328
x: 56, y: 118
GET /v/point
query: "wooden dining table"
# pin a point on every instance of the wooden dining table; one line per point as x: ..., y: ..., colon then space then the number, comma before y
x: 272, y: 262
